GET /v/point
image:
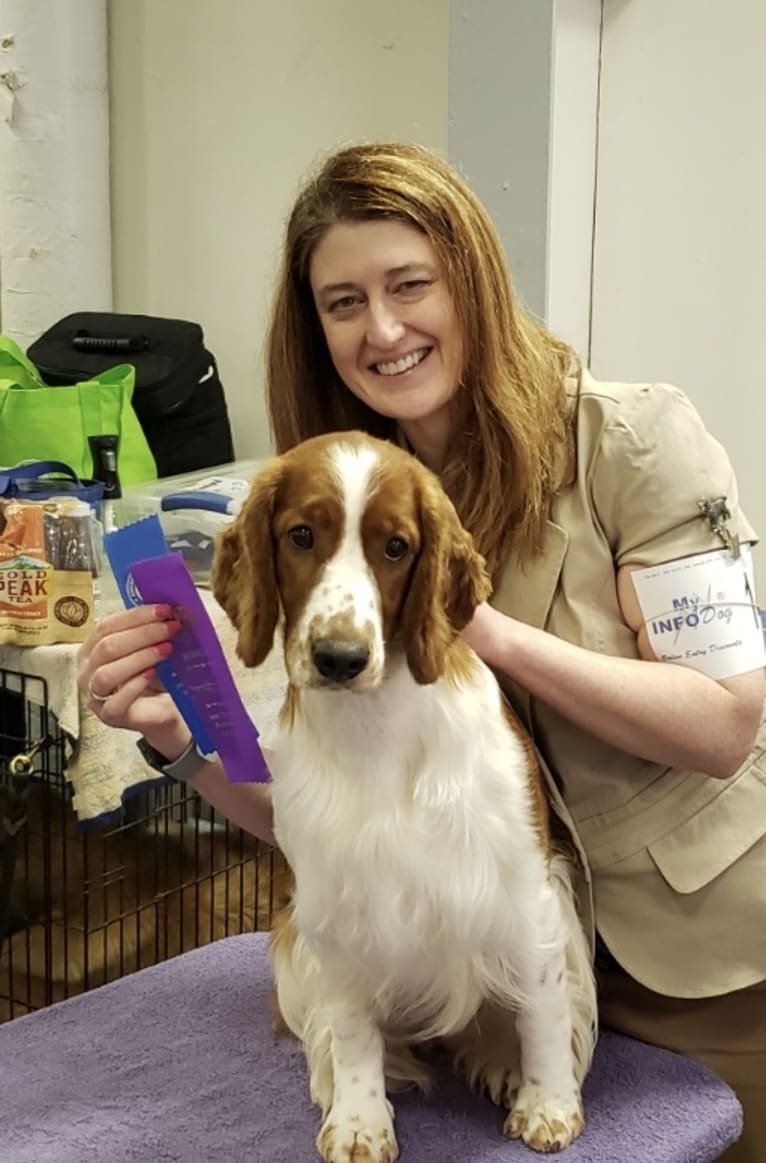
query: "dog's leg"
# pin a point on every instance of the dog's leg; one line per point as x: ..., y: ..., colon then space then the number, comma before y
x: 557, y: 1016
x: 359, y: 1126
x: 547, y: 1112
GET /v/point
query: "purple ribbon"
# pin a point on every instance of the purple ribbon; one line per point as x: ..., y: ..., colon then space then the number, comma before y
x: 202, y: 669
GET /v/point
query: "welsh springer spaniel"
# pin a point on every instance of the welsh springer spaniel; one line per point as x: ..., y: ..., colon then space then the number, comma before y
x: 429, y: 901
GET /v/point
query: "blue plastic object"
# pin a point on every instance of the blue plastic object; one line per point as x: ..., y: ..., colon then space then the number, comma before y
x: 199, y: 499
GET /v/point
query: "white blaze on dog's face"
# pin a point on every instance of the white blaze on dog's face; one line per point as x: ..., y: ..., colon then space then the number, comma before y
x: 357, y: 546
x: 347, y: 536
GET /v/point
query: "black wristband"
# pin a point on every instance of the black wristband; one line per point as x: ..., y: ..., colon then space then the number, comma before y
x: 188, y: 764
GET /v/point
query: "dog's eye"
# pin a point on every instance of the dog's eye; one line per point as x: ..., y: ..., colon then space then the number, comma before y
x: 301, y: 537
x: 396, y: 549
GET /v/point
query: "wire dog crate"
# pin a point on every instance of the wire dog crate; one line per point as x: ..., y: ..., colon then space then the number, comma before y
x: 79, y: 907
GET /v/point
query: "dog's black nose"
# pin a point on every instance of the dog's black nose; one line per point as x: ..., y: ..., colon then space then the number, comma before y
x: 338, y: 659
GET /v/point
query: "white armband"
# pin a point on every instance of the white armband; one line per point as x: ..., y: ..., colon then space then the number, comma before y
x: 701, y: 612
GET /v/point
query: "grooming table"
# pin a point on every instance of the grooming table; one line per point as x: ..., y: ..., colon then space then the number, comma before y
x: 179, y: 1062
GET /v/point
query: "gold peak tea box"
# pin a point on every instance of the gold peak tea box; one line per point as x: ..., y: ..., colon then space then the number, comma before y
x: 48, y: 562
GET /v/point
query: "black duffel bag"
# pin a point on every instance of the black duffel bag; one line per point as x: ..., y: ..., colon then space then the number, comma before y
x: 178, y: 397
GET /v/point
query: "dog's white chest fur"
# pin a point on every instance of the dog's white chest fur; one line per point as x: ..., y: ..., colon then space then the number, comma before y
x: 405, y: 881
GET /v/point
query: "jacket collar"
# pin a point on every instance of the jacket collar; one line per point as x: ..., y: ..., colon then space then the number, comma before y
x: 527, y: 593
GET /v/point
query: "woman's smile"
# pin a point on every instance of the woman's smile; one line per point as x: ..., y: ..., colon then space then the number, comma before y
x: 404, y: 364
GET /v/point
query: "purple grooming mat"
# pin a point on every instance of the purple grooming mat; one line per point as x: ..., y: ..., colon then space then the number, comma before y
x: 178, y: 1062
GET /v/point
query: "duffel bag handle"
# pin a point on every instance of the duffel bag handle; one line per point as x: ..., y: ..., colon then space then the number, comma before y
x: 84, y: 341
x: 39, y: 480
x: 29, y: 469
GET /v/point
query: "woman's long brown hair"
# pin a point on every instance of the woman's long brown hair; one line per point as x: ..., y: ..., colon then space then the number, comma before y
x: 512, y: 442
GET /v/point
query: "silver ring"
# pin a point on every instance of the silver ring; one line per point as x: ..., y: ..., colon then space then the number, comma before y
x: 98, y: 698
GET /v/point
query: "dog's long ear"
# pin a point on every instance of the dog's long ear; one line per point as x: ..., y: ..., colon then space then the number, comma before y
x: 449, y: 581
x: 243, y: 578
x: 225, y: 574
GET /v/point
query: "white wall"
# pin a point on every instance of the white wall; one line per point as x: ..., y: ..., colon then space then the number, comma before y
x: 572, y: 174
x: 500, y: 115
x: 680, y: 247
x: 55, y: 247
x: 217, y: 110
x: 523, y: 90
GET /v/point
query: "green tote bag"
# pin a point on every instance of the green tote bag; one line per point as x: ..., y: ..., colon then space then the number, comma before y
x: 39, y: 422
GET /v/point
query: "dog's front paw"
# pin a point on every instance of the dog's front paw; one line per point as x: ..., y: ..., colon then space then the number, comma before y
x: 546, y: 1122
x: 358, y: 1136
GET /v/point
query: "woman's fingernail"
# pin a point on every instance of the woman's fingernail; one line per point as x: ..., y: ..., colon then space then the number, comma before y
x: 164, y: 648
x: 172, y: 627
x: 148, y: 674
x: 163, y: 613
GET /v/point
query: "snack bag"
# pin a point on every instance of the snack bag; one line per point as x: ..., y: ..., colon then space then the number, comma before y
x: 48, y: 566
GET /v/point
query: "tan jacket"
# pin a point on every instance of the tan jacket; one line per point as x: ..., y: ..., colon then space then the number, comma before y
x: 677, y: 859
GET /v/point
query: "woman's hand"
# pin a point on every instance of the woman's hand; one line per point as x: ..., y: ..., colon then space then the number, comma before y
x: 116, y: 673
x: 481, y: 633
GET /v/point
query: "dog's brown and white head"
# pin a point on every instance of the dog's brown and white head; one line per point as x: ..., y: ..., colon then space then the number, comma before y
x: 359, y: 548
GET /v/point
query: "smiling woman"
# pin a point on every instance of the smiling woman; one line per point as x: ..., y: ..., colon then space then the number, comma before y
x: 394, y: 313
x: 391, y: 328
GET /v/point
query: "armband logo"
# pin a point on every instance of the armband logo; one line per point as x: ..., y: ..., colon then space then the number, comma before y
x: 693, y: 611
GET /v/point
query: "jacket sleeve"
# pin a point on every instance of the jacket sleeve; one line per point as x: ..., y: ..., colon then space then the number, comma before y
x: 655, y: 464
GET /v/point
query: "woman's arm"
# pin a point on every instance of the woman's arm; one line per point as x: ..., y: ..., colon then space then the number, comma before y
x: 116, y: 674
x: 247, y: 805
x: 659, y: 711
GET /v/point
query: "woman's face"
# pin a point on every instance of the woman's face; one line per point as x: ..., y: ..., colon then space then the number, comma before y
x: 389, y: 319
